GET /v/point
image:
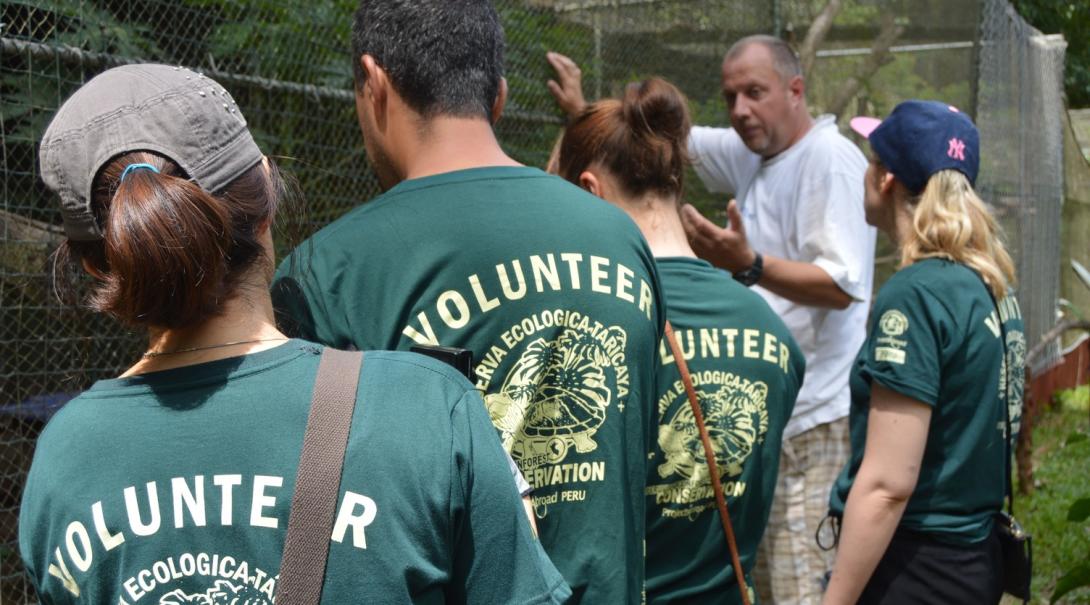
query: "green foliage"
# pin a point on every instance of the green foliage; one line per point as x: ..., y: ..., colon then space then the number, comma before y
x: 1077, y: 399
x: 1061, y: 549
x: 266, y: 39
x: 1072, y: 19
x: 1080, y: 510
x: 65, y: 23
x: 1079, y: 575
x: 532, y: 121
x: 896, y: 81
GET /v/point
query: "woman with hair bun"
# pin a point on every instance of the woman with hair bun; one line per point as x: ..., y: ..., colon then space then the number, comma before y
x: 938, y: 382
x: 172, y: 483
x: 745, y: 365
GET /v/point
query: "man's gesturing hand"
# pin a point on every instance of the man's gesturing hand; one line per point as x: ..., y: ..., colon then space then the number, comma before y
x: 567, y: 88
x: 725, y: 248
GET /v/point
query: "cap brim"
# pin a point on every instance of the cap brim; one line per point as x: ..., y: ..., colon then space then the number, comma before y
x: 864, y: 125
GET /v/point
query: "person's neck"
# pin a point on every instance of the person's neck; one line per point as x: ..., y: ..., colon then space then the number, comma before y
x: 446, y: 144
x: 901, y: 224
x: 658, y: 219
x: 804, y: 123
x: 247, y: 319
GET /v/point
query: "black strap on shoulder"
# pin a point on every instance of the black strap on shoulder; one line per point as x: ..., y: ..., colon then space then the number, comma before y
x: 318, y: 480
x: 1007, y: 436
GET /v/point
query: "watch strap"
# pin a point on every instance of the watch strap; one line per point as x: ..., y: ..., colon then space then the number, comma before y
x: 752, y: 274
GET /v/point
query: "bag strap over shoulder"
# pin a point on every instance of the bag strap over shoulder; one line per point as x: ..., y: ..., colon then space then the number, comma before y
x: 318, y: 480
x: 709, y: 455
x: 1008, y: 470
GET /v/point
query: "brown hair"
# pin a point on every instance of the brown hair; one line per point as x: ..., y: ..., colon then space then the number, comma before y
x: 640, y: 139
x: 171, y: 253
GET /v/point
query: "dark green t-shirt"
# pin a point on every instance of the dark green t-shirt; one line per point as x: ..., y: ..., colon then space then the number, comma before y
x: 556, y: 294
x: 747, y: 370
x: 934, y: 336
x: 174, y: 487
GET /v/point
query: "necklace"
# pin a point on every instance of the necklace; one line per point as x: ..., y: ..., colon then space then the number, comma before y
x: 150, y: 354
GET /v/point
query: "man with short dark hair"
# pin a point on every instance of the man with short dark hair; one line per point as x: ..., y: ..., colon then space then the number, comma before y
x: 553, y: 289
x: 798, y: 236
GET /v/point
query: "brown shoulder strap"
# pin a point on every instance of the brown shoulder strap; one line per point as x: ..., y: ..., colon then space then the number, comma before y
x: 713, y: 469
x: 318, y: 480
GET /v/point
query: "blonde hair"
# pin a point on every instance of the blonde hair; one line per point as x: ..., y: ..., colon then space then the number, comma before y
x: 950, y: 221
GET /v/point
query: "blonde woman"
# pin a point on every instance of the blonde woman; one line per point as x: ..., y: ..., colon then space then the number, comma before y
x: 926, y: 475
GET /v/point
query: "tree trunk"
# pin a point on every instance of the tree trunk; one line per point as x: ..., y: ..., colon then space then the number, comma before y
x: 878, y: 57
x: 816, y: 35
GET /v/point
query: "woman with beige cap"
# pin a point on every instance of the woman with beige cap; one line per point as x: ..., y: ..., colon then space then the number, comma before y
x: 173, y: 482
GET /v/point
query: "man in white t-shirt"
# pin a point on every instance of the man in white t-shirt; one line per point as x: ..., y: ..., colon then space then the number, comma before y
x: 797, y: 234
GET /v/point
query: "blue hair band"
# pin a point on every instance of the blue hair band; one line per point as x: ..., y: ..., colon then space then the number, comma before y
x: 135, y: 167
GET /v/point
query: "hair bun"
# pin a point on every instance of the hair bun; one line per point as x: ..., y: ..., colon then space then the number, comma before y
x: 657, y: 108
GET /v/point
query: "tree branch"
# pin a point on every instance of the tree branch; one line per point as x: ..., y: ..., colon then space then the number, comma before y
x: 879, y: 56
x: 1065, y: 324
x: 816, y: 35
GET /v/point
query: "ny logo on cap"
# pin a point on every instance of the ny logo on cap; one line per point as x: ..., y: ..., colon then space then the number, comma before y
x: 956, y: 149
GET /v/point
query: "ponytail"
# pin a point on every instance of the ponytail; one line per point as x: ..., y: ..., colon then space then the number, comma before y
x: 171, y: 253
x: 950, y: 221
x: 640, y: 138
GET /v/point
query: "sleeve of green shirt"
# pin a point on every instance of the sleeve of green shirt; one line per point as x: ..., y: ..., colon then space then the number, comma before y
x: 497, y: 559
x: 905, y: 343
x: 305, y: 304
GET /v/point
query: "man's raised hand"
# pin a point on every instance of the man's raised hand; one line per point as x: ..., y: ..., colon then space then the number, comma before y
x: 567, y: 88
x: 726, y: 248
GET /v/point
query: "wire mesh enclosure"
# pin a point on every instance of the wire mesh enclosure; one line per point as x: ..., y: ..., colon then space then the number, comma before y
x: 1020, y: 115
x: 289, y: 68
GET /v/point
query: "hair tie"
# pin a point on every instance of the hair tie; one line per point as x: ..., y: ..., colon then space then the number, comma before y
x: 135, y: 167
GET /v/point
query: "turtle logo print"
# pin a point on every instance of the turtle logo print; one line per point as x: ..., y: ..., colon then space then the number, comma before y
x: 736, y: 420
x: 555, y: 397
x: 736, y: 417
x: 1011, y: 392
x: 223, y: 593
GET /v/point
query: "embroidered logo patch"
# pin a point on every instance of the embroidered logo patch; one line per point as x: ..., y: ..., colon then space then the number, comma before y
x: 956, y: 150
x: 893, y: 323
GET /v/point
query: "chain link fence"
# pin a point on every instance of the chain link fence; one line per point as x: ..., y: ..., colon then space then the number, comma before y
x: 1020, y: 113
x: 288, y: 66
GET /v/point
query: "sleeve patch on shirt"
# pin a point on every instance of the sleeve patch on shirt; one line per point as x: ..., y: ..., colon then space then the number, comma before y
x: 893, y: 323
x: 889, y: 354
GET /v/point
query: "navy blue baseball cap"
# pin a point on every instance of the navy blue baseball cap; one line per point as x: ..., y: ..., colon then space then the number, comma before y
x: 920, y: 138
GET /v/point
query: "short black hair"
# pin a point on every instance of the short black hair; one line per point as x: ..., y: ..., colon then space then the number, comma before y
x: 444, y: 57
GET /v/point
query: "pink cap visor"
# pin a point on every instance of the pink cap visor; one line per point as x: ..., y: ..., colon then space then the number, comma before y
x: 864, y: 125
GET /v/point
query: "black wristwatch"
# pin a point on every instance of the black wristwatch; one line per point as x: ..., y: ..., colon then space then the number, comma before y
x: 751, y: 275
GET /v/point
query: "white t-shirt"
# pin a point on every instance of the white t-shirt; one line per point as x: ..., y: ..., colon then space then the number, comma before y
x: 805, y: 204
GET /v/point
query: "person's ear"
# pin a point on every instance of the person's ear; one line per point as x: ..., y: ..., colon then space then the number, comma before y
x: 797, y: 87
x: 376, y: 88
x: 886, y: 182
x: 264, y: 227
x: 500, y: 102
x: 589, y: 181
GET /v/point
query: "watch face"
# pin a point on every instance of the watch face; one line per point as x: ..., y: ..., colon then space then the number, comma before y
x: 746, y: 278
